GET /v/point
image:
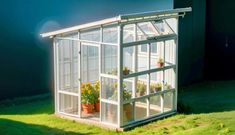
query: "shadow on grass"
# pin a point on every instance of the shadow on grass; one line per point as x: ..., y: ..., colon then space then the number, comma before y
x: 40, y: 104
x: 207, y: 97
x: 10, y: 127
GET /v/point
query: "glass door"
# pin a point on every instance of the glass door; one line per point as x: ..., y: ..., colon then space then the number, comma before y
x: 89, y: 69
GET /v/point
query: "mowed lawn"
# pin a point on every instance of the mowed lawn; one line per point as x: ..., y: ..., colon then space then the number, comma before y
x: 210, y: 108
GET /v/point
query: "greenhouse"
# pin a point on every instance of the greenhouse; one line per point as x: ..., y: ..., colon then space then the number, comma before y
x: 118, y: 72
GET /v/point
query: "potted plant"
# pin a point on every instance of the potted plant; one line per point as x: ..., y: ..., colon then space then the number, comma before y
x: 126, y: 71
x: 127, y: 108
x: 87, y: 94
x: 140, y: 89
x: 97, y: 96
x: 160, y: 62
x: 155, y: 87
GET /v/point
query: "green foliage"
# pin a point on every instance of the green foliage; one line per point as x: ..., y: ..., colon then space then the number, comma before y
x: 88, y: 93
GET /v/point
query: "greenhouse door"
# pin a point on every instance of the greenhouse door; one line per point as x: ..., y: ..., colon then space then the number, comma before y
x: 89, y: 70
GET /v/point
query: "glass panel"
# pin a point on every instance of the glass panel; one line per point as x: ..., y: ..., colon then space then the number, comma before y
x: 128, y: 33
x: 155, y: 105
x: 172, y: 22
x: 109, y: 89
x: 109, y: 59
x: 168, y: 101
x: 162, y: 27
x: 68, y: 65
x: 157, y: 55
x: 68, y: 104
x: 156, y: 80
x: 142, y: 57
x: 170, y: 52
x: 110, y: 34
x: 89, y: 63
x: 127, y: 89
x: 141, y: 88
x: 141, y: 35
x: 109, y: 113
x: 91, y: 35
x: 129, y: 59
x: 169, y: 81
x: 147, y: 29
x: 141, y: 109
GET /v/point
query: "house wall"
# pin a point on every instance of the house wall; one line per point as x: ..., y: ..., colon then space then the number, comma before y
x: 220, y: 40
x: 191, y: 41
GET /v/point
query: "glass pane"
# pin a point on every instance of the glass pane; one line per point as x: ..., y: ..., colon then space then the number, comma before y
x: 157, y: 55
x: 142, y: 57
x: 147, y: 29
x: 68, y: 104
x: 89, y: 63
x: 155, y: 105
x: 109, y: 89
x: 170, y: 52
x: 172, y: 22
x: 128, y: 60
x: 141, y: 109
x: 168, y: 101
x: 128, y: 33
x: 91, y: 35
x: 162, y: 27
x: 109, y: 113
x: 67, y: 65
x: 169, y: 82
x: 156, y: 80
x: 141, y: 88
x: 109, y: 59
x: 110, y: 34
x: 127, y: 89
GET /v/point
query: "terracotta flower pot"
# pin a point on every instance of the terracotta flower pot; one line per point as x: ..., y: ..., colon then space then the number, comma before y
x: 97, y: 107
x: 126, y: 72
x: 128, y: 111
x: 87, y: 108
x: 160, y: 64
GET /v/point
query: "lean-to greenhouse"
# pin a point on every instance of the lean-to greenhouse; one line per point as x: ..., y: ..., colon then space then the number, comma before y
x: 118, y: 72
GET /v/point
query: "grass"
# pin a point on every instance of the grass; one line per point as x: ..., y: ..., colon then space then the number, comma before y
x: 212, y: 112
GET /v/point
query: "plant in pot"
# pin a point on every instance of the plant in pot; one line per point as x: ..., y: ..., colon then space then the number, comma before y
x: 87, y: 94
x: 140, y: 89
x: 155, y: 87
x: 96, y: 87
x: 126, y: 71
x: 127, y: 108
x: 160, y: 62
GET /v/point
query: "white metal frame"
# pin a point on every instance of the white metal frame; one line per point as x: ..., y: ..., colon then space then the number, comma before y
x: 120, y: 21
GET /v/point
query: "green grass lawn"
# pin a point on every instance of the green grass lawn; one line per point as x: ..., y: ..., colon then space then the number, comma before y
x: 212, y: 112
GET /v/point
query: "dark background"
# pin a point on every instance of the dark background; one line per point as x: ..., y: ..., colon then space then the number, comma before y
x: 220, y: 41
x: 26, y: 58
x: 206, y: 38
